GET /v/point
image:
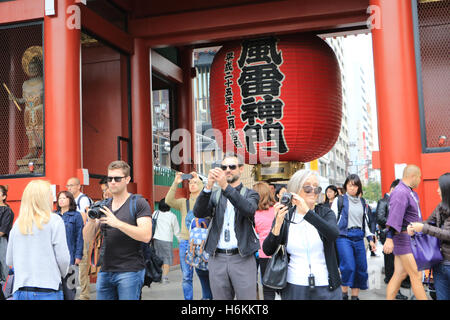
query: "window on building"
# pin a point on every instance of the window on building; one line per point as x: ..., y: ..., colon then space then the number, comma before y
x: 161, y: 128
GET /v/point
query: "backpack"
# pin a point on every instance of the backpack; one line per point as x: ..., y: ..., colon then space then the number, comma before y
x: 189, y: 216
x: 341, y: 206
x: 79, y: 200
x: 7, y: 286
x: 154, y: 221
x: 152, y: 262
x: 196, y: 256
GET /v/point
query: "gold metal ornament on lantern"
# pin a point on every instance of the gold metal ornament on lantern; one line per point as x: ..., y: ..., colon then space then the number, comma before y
x: 28, y: 55
x: 276, y: 171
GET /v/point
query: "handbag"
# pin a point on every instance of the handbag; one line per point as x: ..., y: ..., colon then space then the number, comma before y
x: 426, y: 250
x: 153, y: 264
x: 276, y: 271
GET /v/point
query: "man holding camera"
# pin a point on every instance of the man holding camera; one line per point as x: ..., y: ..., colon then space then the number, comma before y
x: 232, y: 241
x: 122, y: 262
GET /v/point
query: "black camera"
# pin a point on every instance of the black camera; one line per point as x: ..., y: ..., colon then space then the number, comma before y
x: 94, y: 211
x: 286, y: 199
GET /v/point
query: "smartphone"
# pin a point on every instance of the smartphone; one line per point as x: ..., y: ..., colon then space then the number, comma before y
x: 216, y: 164
x: 186, y: 176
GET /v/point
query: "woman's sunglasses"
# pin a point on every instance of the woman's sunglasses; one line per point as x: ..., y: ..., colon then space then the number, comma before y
x: 309, y: 189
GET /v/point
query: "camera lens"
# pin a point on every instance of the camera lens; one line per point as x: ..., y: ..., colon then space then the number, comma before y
x: 94, y: 211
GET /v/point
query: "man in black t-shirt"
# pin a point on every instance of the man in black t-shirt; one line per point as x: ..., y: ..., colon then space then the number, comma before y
x: 123, y: 269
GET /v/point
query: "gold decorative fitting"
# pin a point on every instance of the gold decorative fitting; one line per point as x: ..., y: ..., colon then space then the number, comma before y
x: 276, y: 171
x: 28, y: 55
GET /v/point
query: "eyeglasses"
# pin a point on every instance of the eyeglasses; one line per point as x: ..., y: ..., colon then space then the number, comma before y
x: 309, y: 189
x: 116, y: 179
x: 71, y: 185
x: 231, y: 166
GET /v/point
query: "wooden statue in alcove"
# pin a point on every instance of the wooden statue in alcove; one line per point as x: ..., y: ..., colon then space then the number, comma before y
x: 33, y: 98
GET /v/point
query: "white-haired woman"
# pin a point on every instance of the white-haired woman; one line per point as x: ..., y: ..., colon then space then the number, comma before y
x: 37, y: 247
x: 309, y: 231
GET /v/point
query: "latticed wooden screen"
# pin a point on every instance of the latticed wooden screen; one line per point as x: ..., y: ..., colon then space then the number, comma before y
x: 434, y: 38
x: 21, y: 99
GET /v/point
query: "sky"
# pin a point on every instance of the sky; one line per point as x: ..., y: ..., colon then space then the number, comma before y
x: 359, y: 48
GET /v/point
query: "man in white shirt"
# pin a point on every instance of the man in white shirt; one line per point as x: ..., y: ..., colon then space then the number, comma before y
x: 82, y: 201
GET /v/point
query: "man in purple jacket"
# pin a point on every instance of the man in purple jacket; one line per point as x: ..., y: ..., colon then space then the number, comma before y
x: 404, y: 208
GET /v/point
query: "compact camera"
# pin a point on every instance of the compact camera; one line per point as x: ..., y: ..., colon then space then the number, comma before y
x: 286, y: 199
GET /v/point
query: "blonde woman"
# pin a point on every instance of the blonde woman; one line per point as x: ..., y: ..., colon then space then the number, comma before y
x: 37, y: 247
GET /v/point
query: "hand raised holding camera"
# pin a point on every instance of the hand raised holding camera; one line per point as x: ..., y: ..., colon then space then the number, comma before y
x: 280, y: 213
x: 298, y: 201
x: 178, y: 178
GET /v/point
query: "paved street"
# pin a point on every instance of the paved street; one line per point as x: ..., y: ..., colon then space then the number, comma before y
x: 173, y: 290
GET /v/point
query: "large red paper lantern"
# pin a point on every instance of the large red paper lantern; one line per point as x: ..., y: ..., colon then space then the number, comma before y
x: 277, y: 96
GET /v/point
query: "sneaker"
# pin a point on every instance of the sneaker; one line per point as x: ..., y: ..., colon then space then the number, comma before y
x: 165, y: 280
x: 406, y: 284
x: 355, y: 298
x: 401, y: 296
x: 344, y: 296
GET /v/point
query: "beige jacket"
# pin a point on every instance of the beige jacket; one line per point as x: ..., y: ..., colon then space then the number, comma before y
x: 180, y: 205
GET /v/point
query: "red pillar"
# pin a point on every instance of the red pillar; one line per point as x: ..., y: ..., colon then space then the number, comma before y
x: 62, y: 95
x: 186, y: 106
x: 396, y: 89
x: 142, y: 120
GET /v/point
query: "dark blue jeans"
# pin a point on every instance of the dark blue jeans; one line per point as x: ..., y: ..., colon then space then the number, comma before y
x: 441, y: 277
x: 203, y: 276
x: 187, y: 271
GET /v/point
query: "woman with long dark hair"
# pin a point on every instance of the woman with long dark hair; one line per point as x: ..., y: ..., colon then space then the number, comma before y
x: 331, y: 193
x: 6, y: 223
x: 66, y: 208
x: 438, y: 225
x: 352, y: 218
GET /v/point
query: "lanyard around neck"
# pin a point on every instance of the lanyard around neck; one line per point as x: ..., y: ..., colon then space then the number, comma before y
x: 307, y: 243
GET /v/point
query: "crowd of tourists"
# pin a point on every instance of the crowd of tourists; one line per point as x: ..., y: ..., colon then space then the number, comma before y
x: 299, y: 246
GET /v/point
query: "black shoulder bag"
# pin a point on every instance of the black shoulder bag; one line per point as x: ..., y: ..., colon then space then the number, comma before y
x: 276, y: 271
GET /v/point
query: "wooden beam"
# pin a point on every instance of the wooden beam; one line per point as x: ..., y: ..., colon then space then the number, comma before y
x: 166, y: 67
x: 123, y: 4
x: 105, y: 30
x: 270, y: 17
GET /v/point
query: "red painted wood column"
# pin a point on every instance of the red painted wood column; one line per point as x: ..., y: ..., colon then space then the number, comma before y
x: 396, y: 89
x: 62, y: 94
x: 142, y: 120
x: 186, y: 107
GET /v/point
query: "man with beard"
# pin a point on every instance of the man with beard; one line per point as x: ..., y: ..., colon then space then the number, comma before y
x: 232, y: 241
